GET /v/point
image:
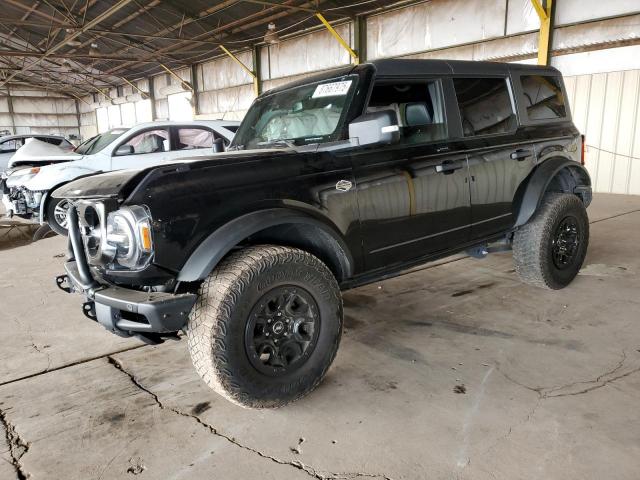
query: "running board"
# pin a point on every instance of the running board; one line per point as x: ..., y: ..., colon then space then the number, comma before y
x: 484, y: 249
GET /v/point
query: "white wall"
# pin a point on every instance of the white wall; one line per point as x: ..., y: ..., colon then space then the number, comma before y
x: 37, y: 111
x: 606, y: 108
x: 225, y: 89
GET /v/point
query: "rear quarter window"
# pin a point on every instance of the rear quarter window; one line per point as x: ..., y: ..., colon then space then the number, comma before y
x: 51, y: 140
x: 485, y: 106
x: 543, y: 97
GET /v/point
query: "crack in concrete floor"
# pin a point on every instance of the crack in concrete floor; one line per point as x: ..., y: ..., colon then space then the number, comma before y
x: 600, y: 381
x: 17, y: 446
x: 312, y: 472
x: 543, y: 393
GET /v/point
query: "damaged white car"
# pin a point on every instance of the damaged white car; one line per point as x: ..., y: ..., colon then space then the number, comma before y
x: 26, y: 190
x: 25, y: 149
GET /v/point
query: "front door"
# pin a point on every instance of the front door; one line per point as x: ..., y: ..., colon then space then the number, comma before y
x: 413, y: 197
x: 147, y: 148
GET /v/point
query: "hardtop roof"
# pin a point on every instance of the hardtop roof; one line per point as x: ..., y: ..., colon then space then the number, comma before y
x: 405, y: 67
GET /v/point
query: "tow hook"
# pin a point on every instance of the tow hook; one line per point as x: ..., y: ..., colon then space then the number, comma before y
x: 62, y: 282
x: 89, y: 310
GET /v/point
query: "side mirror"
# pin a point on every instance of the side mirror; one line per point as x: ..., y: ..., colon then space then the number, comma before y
x: 376, y: 128
x: 218, y: 145
x: 124, y: 150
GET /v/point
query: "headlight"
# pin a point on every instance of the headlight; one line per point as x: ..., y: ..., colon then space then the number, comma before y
x: 128, y: 240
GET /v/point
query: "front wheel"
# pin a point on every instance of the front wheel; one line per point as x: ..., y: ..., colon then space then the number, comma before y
x: 549, y: 249
x: 266, y: 326
x: 57, y: 210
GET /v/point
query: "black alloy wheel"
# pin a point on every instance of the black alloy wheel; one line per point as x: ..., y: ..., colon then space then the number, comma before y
x: 566, y: 242
x: 282, y: 330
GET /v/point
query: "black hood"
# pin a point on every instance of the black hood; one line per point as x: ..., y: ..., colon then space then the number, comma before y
x: 99, y: 185
x: 120, y: 183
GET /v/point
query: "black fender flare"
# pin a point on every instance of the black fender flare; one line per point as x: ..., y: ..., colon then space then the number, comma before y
x: 219, y: 243
x: 540, y: 179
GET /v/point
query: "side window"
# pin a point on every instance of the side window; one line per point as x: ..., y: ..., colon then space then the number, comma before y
x: 485, y: 106
x: 192, y: 138
x: 51, y: 140
x: 151, y: 141
x: 10, y: 146
x: 543, y: 97
x: 419, y: 107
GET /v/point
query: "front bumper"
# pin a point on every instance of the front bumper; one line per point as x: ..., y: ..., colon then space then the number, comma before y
x: 122, y: 311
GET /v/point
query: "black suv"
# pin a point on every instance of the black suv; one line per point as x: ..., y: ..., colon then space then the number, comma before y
x: 330, y: 182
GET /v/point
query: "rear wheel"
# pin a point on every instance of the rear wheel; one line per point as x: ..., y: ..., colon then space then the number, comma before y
x: 549, y: 249
x: 266, y: 326
x: 57, y: 210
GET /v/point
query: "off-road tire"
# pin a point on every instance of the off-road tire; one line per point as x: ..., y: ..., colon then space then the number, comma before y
x: 533, y: 243
x: 218, y: 322
x: 51, y: 216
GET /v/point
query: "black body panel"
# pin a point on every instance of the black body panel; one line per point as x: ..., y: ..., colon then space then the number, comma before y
x: 377, y: 209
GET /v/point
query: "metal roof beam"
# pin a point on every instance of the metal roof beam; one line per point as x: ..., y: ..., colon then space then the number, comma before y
x: 22, y: 6
x: 224, y: 29
x: 287, y: 7
x: 204, y: 13
x: 92, y: 23
x: 43, y: 55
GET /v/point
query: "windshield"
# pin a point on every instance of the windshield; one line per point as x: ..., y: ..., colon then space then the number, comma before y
x: 97, y: 143
x: 308, y: 114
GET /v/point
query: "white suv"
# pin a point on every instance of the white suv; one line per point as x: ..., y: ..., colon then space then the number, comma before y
x: 26, y: 191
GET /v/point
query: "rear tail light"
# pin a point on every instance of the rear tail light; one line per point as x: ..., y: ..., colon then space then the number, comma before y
x: 582, y: 151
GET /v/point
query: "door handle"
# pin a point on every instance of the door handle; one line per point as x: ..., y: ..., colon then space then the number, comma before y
x: 521, y: 154
x: 448, y: 167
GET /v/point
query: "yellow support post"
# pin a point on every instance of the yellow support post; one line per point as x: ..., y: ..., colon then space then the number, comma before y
x: 337, y: 36
x: 80, y: 98
x: 144, y: 94
x: 544, y: 13
x: 256, y: 85
x: 185, y: 84
x: 107, y: 97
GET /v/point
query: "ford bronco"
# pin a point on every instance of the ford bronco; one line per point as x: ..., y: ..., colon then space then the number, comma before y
x: 331, y: 182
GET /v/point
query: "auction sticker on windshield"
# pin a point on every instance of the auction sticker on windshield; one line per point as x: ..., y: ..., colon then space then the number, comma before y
x: 334, y: 89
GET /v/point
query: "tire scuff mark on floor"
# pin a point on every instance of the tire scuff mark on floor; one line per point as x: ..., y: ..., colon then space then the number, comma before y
x: 463, y: 457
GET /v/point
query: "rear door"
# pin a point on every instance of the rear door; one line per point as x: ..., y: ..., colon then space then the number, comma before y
x: 189, y: 141
x: 498, y: 161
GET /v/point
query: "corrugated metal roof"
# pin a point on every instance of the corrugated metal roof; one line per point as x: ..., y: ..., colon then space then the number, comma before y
x: 133, y: 37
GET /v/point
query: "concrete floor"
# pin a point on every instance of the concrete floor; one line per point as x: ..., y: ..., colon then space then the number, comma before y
x: 453, y: 370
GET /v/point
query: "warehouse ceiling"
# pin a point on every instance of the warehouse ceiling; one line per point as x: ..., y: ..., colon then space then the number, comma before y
x: 80, y: 46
